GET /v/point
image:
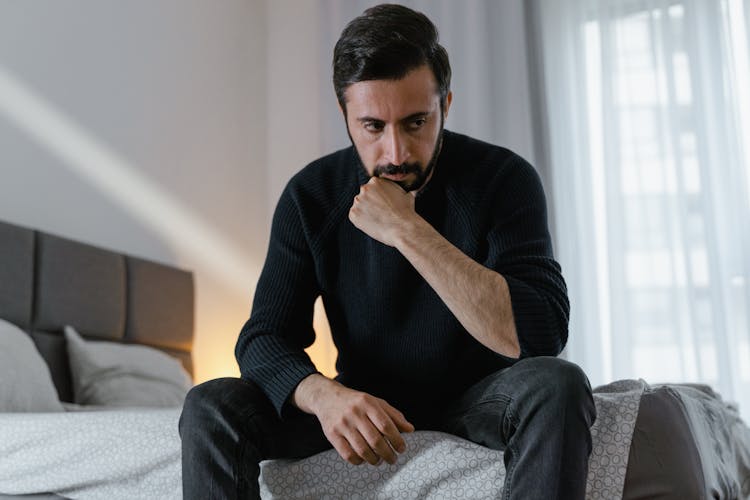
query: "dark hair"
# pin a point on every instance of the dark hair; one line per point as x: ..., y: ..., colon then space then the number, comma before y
x: 385, y: 43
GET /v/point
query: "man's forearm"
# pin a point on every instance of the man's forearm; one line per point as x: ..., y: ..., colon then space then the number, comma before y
x: 479, y: 297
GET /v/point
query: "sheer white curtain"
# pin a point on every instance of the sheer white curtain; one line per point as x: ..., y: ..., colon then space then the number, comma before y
x: 648, y: 111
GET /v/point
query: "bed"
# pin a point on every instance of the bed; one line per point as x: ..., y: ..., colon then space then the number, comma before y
x: 132, y: 316
x: 81, y: 305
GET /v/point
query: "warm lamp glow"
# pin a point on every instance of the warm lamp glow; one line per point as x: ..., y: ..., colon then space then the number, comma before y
x: 323, y: 353
x: 216, y: 367
x: 213, y: 355
x: 217, y: 327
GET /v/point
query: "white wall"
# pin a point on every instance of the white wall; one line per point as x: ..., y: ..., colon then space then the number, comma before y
x: 141, y: 126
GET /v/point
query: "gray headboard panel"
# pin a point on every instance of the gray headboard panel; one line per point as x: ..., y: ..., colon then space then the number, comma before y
x: 16, y: 274
x: 79, y: 285
x: 47, y: 282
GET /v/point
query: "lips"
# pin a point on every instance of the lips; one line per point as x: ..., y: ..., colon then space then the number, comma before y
x: 394, y: 177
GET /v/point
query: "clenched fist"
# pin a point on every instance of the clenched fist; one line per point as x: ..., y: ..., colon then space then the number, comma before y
x: 382, y: 209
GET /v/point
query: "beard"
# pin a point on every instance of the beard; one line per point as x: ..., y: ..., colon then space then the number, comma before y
x: 421, y: 173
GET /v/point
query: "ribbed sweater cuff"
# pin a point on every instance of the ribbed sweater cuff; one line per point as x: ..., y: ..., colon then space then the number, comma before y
x: 537, y: 334
x: 278, y: 369
x: 284, y: 384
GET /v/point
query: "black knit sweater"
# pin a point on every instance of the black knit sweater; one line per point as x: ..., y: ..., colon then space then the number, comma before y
x: 396, y: 338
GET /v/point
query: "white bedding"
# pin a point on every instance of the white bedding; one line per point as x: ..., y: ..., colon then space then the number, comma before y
x: 112, y: 454
x: 135, y: 453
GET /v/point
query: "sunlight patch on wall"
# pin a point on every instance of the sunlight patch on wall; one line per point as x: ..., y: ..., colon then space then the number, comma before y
x: 121, y: 182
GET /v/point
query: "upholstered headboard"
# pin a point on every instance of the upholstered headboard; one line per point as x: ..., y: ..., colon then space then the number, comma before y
x: 47, y: 282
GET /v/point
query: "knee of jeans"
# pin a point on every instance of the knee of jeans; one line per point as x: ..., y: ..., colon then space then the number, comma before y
x: 203, y: 400
x: 562, y: 382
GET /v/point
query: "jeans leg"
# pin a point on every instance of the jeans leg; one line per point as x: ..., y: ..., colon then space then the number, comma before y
x: 539, y: 411
x: 227, y: 427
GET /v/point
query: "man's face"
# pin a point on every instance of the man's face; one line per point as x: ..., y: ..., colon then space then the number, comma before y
x: 396, y: 126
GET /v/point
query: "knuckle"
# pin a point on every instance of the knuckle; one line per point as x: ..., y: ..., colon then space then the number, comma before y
x: 362, y: 450
x: 339, y: 424
x: 352, y: 408
x: 361, y: 399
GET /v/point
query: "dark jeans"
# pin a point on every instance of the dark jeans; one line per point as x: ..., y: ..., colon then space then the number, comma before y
x: 539, y: 411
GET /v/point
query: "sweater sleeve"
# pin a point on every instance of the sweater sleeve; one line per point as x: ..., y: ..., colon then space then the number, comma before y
x: 270, y: 348
x: 520, y: 249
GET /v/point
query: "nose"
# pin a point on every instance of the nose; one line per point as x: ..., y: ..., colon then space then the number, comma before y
x: 396, y: 150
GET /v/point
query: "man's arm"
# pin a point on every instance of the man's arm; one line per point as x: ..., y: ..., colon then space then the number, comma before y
x: 270, y: 352
x: 270, y: 347
x: 479, y: 297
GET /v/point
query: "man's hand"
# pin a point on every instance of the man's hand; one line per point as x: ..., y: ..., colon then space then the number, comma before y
x: 361, y: 427
x: 381, y: 209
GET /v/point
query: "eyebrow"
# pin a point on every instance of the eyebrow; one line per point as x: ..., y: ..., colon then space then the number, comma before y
x: 413, y: 116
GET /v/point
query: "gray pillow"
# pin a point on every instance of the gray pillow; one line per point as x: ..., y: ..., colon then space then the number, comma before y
x: 25, y: 381
x: 110, y: 374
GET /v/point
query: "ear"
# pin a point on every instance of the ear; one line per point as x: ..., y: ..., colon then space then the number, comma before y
x: 446, y: 107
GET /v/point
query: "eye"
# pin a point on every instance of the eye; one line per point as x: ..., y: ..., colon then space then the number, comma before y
x: 374, y: 126
x: 417, y: 123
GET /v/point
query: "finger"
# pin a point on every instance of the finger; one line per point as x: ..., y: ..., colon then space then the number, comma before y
x: 384, y: 423
x: 345, y: 451
x: 378, y: 443
x: 355, y: 211
x: 399, y: 419
x: 361, y: 447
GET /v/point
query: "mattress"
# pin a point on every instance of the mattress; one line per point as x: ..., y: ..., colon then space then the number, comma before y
x: 667, y: 442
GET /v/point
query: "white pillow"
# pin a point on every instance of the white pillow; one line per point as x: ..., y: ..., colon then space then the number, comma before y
x: 25, y: 381
x: 111, y: 374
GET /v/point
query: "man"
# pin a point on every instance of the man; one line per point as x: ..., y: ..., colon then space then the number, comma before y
x: 432, y: 254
